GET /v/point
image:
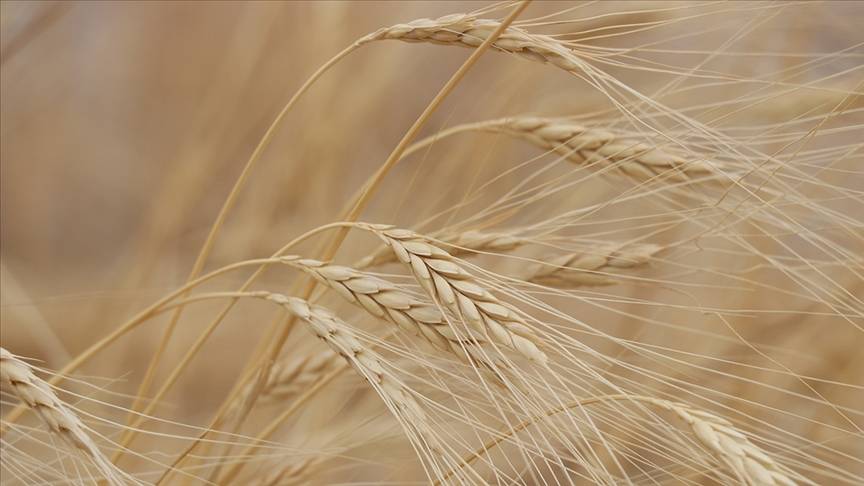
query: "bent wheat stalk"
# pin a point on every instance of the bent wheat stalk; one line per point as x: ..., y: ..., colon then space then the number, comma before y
x: 36, y: 394
x: 458, y: 291
x: 589, y: 267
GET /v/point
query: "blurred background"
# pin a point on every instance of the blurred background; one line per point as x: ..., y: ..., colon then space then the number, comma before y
x: 125, y: 124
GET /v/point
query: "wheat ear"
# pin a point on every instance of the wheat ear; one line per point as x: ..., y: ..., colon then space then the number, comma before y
x: 588, y: 267
x: 386, y: 301
x: 459, y: 244
x: 458, y: 291
x: 468, y: 31
x: 366, y: 362
x: 36, y: 394
x: 587, y: 145
x: 288, y: 378
x: 750, y: 464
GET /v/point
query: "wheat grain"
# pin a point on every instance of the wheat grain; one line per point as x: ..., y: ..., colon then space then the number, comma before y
x: 457, y: 290
x: 588, y: 267
x: 60, y: 419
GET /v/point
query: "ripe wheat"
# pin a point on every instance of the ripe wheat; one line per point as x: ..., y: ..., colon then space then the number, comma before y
x: 589, y: 267
x: 60, y: 419
x: 457, y: 290
x: 386, y: 301
x: 366, y: 362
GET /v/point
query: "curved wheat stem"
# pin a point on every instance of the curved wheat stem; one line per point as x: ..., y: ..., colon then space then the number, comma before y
x: 589, y: 267
x: 458, y: 291
x: 36, y: 394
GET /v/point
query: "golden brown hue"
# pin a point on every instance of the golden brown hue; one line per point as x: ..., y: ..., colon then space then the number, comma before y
x: 252, y: 243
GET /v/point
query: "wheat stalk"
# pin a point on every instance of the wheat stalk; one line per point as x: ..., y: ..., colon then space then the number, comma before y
x: 587, y: 267
x: 458, y: 291
x: 36, y: 394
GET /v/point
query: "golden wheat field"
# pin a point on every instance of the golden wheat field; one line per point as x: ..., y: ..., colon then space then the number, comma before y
x: 446, y: 243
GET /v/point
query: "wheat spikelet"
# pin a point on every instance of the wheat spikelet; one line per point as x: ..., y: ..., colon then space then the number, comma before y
x: 750, y: 464
x: 587, y: 145
x: 460, y: 244
x: 468, y: 31
x: 60, y: 419
x: 366, y: 362
x: 585, y: 268
x: 287, y: 378
x: 386, y: 301
x: 458, y: 291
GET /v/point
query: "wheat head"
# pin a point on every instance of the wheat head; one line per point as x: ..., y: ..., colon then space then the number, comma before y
x: 748, y: 462
x: 368, y: 364
x: 458, y: 291
x: 60, y: 419
x: 588, y: 267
